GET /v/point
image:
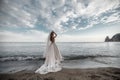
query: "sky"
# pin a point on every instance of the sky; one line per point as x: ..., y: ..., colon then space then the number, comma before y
x: 72, y: 20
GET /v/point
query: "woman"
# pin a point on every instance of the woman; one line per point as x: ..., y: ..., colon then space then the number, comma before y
x: 52, y: 56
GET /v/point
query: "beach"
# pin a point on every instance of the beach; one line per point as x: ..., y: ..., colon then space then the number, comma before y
x: 61, y: 39
x: 107, y: 73
x: 82, y: 61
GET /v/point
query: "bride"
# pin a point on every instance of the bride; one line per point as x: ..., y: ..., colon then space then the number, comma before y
x: 52, y: 56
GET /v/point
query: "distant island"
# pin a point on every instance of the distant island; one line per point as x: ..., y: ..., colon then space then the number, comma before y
x: 115, y: 38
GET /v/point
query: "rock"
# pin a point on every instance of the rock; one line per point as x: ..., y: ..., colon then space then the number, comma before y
x: 115, y: 38
x: 107, y: 39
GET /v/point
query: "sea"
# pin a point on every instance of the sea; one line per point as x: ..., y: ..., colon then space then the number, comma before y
x: 18, y: 56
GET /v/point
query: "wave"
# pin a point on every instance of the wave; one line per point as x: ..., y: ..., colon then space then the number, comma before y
x: 40, y: 57
x: 20, y: 58
x: 76, y: 57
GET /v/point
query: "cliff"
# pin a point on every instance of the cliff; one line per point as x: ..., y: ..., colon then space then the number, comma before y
x: 115, y: 38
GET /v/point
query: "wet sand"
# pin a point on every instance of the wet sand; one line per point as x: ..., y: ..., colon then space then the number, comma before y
x: 67, y: 74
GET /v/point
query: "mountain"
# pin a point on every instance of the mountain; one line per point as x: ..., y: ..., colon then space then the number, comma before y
x: 115, y: 38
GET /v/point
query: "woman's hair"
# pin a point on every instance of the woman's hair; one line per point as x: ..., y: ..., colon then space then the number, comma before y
x: 51, y: 34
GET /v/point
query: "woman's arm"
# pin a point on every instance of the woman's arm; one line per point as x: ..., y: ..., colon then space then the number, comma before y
x: 55, y: 35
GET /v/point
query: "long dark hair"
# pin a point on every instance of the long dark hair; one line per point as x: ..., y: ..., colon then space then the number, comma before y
x: 51, y: 36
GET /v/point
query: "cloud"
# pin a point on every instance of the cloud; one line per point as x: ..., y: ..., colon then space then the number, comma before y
x: 29, y: 36
x: 80, y: 38
x: 38, y: 36
x: 114, y: 18
x: 12, y: 15
x: 58, y: 15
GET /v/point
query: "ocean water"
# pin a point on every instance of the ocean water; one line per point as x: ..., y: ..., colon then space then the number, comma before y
x: 17, y: 56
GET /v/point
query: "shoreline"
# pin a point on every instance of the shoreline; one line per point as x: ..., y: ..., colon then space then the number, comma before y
x: 103, y: 73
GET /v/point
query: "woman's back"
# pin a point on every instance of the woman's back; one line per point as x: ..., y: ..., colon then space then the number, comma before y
x: 52, y: 39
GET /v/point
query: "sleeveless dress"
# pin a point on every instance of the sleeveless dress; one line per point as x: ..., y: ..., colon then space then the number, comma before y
x: 53, y: 59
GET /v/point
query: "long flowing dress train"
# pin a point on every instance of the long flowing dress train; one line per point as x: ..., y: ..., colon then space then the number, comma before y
x: 53, y: 59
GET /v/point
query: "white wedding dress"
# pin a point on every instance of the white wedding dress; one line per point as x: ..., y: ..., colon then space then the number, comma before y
x: 53, y: 59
